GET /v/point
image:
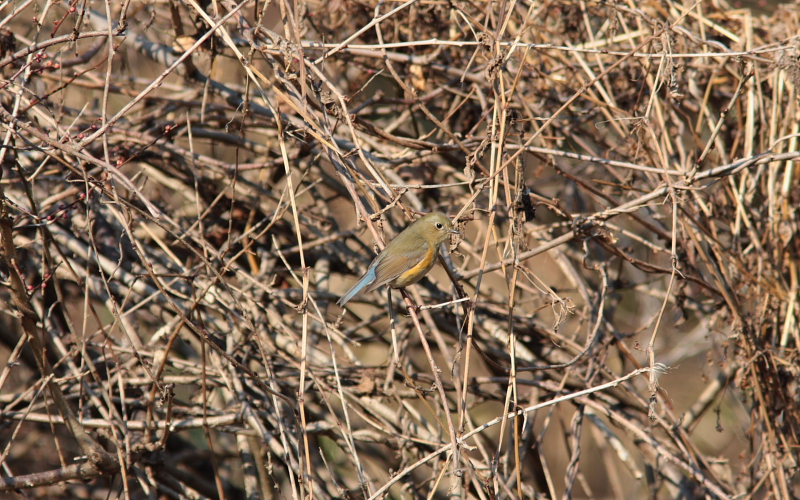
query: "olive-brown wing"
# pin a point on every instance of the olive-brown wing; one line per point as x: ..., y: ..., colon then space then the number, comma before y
x: 395, y: 262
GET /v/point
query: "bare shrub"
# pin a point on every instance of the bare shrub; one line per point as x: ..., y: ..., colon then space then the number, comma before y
x: 187, y: 189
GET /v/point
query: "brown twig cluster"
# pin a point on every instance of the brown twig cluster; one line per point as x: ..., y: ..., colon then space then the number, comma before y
x: 189, y: 186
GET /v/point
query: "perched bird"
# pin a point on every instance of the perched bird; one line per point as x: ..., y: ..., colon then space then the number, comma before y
x: 407, y: 258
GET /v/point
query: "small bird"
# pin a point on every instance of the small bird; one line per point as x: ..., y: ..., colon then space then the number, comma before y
x: 408, y: 257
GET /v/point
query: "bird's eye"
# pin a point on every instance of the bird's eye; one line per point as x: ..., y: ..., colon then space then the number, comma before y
x: 439, y: 225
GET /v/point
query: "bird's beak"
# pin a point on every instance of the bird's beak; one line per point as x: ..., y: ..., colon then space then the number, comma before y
x: 454, y: 231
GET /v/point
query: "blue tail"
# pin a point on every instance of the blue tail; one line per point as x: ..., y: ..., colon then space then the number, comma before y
x: 365, y: 281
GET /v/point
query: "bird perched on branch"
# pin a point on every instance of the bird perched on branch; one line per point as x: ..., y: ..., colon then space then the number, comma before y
x: 407, y: 258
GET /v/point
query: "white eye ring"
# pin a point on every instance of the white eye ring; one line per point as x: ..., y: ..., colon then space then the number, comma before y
x: 439, y: 225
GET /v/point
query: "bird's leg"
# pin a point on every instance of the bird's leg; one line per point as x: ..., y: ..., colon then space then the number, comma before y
x: 411, y: 306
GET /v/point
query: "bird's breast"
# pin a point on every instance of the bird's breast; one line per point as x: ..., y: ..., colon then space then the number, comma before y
x: 416, y: 272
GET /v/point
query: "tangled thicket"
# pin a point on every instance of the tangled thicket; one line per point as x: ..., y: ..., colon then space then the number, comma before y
x: 187, y: 188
